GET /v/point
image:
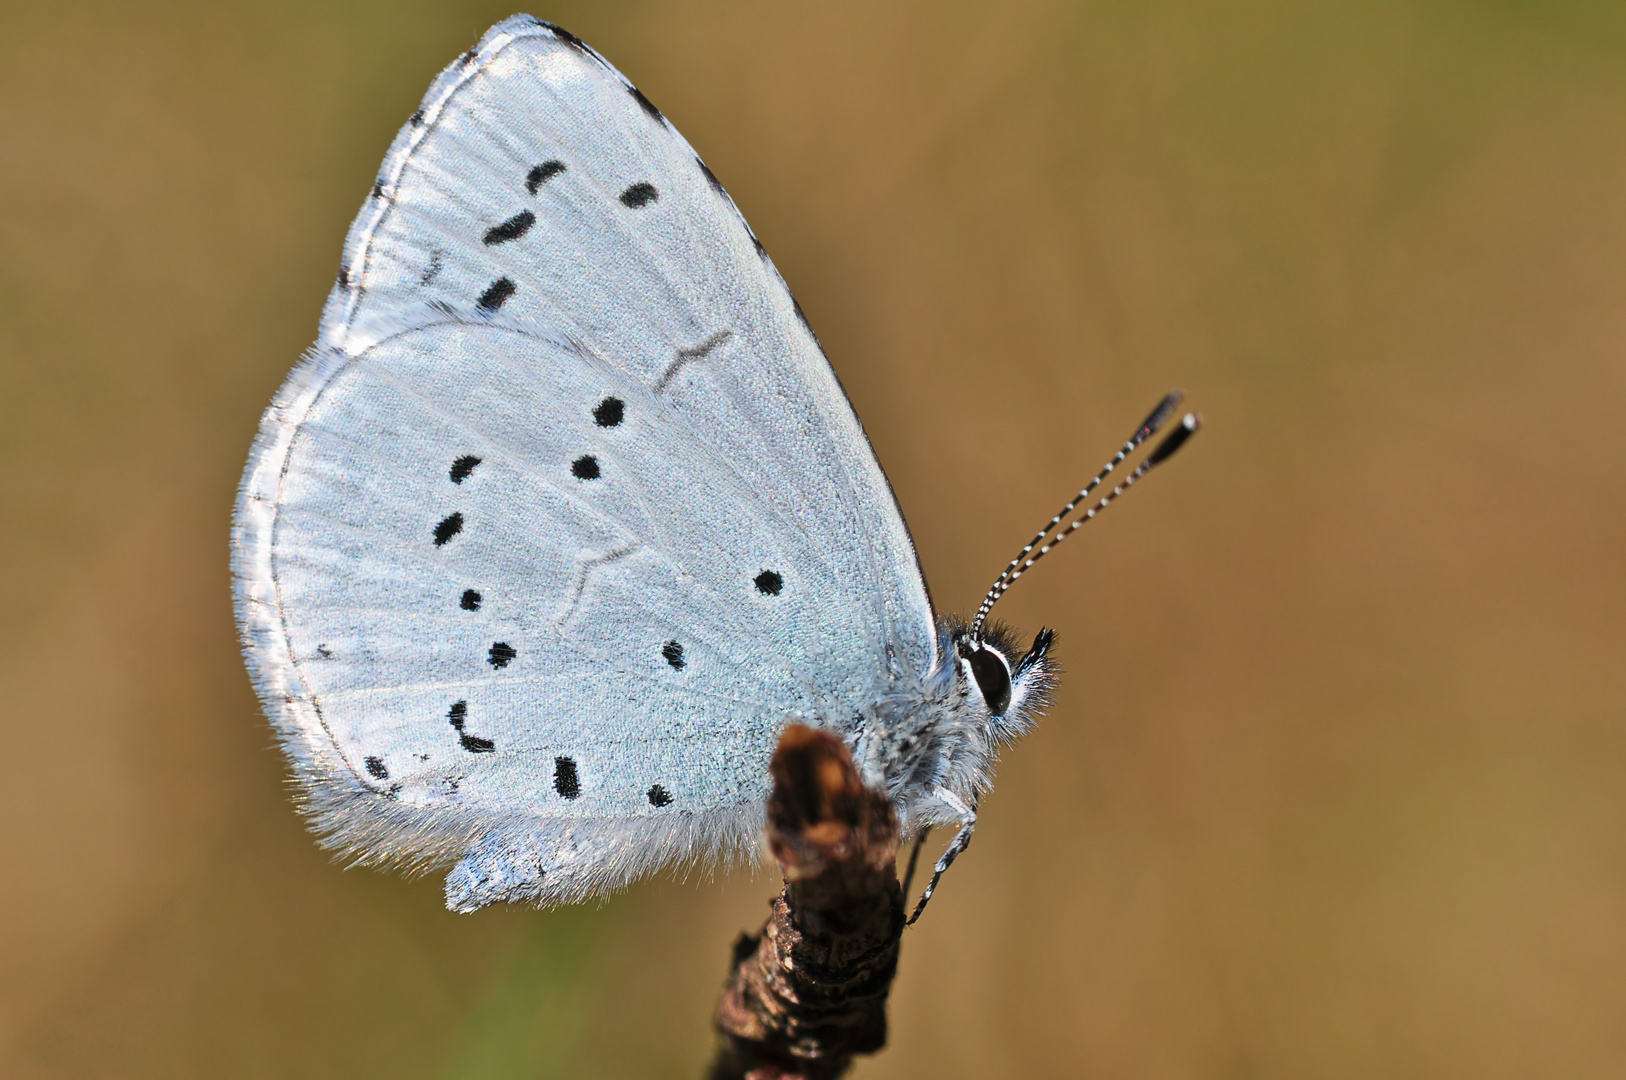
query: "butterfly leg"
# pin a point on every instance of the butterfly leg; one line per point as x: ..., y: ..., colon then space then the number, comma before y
x: 914, y: 859
x: 961, y: 841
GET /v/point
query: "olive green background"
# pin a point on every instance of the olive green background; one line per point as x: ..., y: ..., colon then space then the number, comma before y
x: 1336, y: 783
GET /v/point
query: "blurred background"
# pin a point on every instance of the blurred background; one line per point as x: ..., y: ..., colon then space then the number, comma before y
x: 1336, y: 782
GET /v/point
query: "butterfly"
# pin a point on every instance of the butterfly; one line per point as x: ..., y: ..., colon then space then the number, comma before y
x: 565, y: 517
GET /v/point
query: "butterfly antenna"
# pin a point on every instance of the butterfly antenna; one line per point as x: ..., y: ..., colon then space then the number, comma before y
x: 1148, y: 427
x: 1164, y: 450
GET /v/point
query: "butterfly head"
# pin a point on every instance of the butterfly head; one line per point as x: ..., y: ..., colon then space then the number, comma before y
x: 1011, y: 687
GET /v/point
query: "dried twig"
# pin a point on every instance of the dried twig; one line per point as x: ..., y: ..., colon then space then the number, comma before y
x: 809, y: 991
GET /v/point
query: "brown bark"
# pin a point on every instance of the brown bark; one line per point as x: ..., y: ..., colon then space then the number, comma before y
x: 809, y: 991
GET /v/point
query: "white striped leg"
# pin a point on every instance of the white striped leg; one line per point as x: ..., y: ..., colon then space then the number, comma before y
x: 961, y: 841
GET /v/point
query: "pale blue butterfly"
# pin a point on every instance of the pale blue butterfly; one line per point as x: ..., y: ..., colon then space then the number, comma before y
x: 565, y: 516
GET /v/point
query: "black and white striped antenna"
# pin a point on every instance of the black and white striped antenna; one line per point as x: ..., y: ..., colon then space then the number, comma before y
x: 1164, y: 450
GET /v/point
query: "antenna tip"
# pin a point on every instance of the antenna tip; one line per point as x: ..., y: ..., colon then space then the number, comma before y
x: 1189, y: 425
x: 1158, y: 416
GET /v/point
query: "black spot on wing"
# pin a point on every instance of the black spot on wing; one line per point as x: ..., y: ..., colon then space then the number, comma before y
x: 645, y: 104
x: 344, y: 278
x: 502, y: 654
x: 658, y: 796
x: 497, y: 295
x: 468, y: 57
x: 640, y: 194
x: 769, y: 583
x: 462, y: 467
x: 378, y: 189
x: 541, y: 174
x: 585, y: 467
x: 376, y: 769
x: 449, y: 526
x: 324, y: 652
x: 459, y: 716
x: 416, y: 119
x: 470, y: 600
x: 565, y: 781
x: 673, y: 652
x: 512, y: 229
x: 609, y: 412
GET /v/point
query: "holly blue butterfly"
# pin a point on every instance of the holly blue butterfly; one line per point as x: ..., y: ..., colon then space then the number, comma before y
x: 565, y: 516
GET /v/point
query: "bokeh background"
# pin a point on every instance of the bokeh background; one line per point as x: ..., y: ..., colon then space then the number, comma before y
x: 1336, y: 784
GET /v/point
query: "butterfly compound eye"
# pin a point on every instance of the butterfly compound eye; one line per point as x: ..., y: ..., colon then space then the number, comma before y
x: 992, y: 675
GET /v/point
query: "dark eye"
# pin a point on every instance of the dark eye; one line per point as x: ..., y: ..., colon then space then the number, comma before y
x: 993, y: 677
